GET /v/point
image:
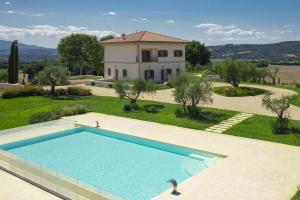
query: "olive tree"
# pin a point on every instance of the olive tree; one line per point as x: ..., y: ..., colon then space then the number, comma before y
x: 190, y: 91
x: 272, y: 73
x: 279, y: 106
x: 134, y: 90
x: 53, y: 75
x: 230, y: 71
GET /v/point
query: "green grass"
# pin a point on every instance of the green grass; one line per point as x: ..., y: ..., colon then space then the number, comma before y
x: 16, y: 112
x: 296, y: 99
x: 230, y: 91
x: 258, y: 127
x: 297, y: 196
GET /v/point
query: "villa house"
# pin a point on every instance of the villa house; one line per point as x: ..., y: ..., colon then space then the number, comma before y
x: 143, y: 55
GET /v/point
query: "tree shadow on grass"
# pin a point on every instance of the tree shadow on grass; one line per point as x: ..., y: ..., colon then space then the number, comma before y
x: 153, y: 108
x: 209, y: 117
x: 65, y: 98
x: 206, y: 117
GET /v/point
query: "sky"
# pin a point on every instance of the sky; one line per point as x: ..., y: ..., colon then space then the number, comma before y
x: 213, y: 22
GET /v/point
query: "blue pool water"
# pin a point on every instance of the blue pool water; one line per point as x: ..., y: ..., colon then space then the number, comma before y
x: 129, y: 167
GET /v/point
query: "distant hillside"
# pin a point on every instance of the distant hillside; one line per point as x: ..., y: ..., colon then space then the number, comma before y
x: 283, y: 52
x: 28, y: 52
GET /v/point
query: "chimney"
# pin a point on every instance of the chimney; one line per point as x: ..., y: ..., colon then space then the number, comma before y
x: 123, y: 36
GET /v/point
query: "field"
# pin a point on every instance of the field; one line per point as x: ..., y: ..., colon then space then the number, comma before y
x: 288, y: 74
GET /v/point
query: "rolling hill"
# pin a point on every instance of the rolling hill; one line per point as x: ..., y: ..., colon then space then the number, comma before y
x: 283, y: 52
x: 28, y: 53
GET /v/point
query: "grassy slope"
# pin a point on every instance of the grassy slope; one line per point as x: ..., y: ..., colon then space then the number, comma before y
x: 15, y: 112
x: 258, y: 127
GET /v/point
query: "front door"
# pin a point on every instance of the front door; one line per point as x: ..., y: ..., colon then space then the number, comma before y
x: 116, y: 74
x: 149, y: 74
x: 162, y: 75
x: 169, y: 74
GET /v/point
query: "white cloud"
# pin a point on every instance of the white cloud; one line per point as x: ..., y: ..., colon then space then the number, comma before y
x: 11, y: 12
x: 7, y: 3
x: 110, y: 13
x: 282, y: 31
x: 297, y: 38
x: 171, y: 21
x: 7, y: 32
x: 288, y: 25
x: 231, y: 32
x: 140, y: 19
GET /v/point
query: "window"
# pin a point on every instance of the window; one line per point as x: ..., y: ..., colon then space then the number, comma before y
x: 163, y: 53
x: 124, y: 72
x: 178, y: 53
x: 109, y: 72
x: 177, y: 71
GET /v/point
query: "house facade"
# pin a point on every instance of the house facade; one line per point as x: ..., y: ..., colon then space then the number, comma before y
x: 144, y: 55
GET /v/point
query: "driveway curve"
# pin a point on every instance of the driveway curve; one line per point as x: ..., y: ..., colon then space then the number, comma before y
x: 250, y: 104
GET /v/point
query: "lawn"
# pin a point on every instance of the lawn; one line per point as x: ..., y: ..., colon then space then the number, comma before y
x: 258, y: 127
x: 296, y: 100
x: 15, y: 112
x: 297, y: 196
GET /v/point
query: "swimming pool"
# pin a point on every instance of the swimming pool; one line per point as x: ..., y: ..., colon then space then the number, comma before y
x: 129, y: 167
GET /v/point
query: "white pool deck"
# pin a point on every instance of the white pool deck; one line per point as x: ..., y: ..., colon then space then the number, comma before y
x: 252, y: 170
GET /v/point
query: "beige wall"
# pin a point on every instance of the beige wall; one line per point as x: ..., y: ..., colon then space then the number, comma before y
x: 120, y: 53
x: 123, y: 56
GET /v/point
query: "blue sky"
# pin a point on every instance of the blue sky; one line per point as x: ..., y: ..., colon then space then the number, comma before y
x: 44, y: 22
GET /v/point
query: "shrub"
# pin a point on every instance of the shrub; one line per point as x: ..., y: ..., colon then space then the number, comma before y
x: 110, y: 85
x: 56, y: 114
x: 127, y: 108
x: 3, y: 75
x: 78, y: 91
x: 193, y: 111
x: 179, y: 112
x: 74, y: 110
x: 23, y: 92
x: 280, y: 127
x: 238, y: 91
x: 297, y: 85
x: 40, y: 117
x: 151, y: 109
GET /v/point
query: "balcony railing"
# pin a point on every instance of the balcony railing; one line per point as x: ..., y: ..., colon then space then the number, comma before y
x: 150, y: 59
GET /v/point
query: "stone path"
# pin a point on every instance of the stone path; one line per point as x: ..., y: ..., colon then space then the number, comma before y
x: 227, y: 124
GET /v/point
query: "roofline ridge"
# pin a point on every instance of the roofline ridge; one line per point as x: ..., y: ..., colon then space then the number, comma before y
x: 166, y: 36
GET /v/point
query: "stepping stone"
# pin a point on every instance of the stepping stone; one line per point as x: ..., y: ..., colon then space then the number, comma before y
x: 225, y: 125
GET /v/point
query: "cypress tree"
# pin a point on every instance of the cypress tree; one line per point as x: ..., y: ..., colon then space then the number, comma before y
x: 13, y: 63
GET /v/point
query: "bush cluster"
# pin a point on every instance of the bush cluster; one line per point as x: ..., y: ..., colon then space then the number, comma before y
x: 39, y: 91
x: 78, y: 91
x: 40, y: 117
x: 23, y: 92
x: 238, y: 91
x: 130, y: 107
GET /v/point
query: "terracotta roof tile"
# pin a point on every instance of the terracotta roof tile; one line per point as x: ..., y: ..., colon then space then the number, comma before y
x: 144, y: 36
